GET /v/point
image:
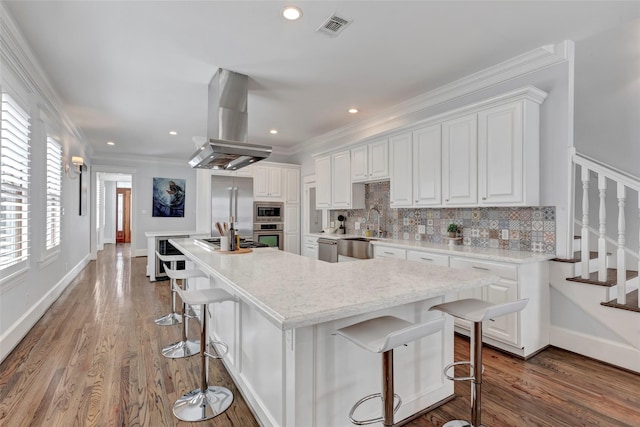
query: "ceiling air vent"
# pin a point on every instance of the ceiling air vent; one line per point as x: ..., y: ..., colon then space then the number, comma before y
x: 334, y: 25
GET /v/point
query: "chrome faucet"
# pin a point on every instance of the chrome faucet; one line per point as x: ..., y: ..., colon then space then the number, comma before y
x: 373, y: 208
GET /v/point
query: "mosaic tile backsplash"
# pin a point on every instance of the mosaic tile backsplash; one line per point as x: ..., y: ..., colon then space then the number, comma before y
x: 531, y: 229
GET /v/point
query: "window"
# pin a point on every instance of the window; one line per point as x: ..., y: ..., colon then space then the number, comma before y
x: 54, y: 187
x: 14, y: 186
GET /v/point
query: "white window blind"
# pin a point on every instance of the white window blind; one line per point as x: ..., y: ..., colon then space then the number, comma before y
x: 54, y: 190
x: 14, y: 183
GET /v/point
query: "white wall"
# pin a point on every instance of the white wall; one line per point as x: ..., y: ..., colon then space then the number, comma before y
x: 24, y: 301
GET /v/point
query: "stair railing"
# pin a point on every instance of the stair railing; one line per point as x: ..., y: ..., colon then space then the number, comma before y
x: 623, y: 182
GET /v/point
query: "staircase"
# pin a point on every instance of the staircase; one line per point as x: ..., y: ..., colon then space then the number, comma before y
x: 595, y: 293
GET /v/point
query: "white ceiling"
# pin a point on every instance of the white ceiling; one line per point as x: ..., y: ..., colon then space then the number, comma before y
x: 130, y: 72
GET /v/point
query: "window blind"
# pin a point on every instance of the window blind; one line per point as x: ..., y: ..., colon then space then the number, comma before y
x: 14, y: 183
x: 54, y: 190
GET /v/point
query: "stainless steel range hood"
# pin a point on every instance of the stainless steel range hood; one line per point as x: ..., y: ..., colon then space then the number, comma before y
x: 227, y: 134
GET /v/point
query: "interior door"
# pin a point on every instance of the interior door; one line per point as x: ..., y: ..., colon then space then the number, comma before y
x: 123, y: 215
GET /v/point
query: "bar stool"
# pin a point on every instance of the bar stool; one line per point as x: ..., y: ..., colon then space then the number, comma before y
x: 475, y: 311
x: 382, y: 335
x: 207, y: 401
x: 172, y: 318
x: 184, y: 347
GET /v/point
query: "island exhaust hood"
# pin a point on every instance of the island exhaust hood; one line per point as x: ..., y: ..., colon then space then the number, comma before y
x: 227, y: 133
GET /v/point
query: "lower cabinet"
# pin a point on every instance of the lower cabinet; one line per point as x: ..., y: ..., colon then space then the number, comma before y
x: 524, y: 333
x: 310, y: 247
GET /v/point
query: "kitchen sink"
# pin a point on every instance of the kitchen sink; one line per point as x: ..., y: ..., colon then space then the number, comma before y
x: 356, y: 247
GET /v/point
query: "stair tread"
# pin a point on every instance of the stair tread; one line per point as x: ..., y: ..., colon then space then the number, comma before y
x: 631, y: 305
x: 612, y: 277
x: 576, y: 257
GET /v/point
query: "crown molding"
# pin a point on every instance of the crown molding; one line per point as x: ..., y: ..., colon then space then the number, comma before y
x: 398, y: 115
x: 126, y: 159
x: 17, y: 54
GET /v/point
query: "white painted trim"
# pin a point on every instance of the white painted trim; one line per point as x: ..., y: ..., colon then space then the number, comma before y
x: 534, y: 60
x: 615, y: 353
x: 16, y: 332
x: 139, y: 252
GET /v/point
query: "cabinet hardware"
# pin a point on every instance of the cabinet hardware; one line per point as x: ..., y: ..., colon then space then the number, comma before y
x: 426, y: 259
x: 389, y: 253
x: 480, y: 268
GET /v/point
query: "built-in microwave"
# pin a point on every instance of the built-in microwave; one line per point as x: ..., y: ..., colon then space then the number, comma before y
x: 272, y: 212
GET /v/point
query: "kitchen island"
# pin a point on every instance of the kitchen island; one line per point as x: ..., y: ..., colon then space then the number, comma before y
x: 282, y: 355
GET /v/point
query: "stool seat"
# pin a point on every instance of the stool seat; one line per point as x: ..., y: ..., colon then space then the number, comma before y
x: 386, y: 332
x: 171, y: 258
x: 184, y: 274
x: 205, y: 296
x: 476, y: 310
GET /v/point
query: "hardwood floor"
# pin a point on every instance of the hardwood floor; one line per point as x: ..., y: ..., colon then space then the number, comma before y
x: 94, y: 360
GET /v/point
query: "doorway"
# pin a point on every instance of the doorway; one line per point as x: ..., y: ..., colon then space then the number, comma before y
x: 123, y: 215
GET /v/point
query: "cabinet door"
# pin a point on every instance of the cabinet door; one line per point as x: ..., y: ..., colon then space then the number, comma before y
x: 460, y: 161
x: 500, y: 155
x: 401, y: 184
x: 359, y: 164
x: 260, y: 182
x: 389, y: 252
x: 428, y: 258
x: 291, y: 186
x: 503, y: 328
x: 323, y: 182
x: 427, y: 173
x: 292, y: 243
x: 341, y: 181
x: 378, y: 160
x: 291, y: 218
x: 275, y: 183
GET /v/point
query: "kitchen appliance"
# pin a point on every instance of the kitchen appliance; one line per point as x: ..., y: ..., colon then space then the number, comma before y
x: 271, y: 234
x: 327, y: 250
x: 163, y: 247
x: 268, y: 212
x: 232, y: 196
x: 227, y: 147
x: 341, y: 229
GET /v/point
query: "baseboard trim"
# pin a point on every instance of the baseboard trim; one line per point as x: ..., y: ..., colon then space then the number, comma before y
x: 12, y: 336
x: 611, y: 352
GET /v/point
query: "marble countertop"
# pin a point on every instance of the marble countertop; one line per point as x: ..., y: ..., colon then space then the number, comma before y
x: 504, y: 255
x: 294, y: 291
x: 168, y: 233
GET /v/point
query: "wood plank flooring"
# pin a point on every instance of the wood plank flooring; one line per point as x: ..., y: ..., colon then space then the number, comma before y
x: 94, y: 360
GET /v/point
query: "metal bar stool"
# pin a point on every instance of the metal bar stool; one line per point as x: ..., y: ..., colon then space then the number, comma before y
x: 382, y: 335
x: 207, y: 401
x: 172, y: 318
x: 475, y: 311
x: 184, y: 347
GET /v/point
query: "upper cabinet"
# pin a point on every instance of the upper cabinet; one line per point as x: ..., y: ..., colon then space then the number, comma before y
x: 370, y: 162
x: 267, y: 183
x: 460, y: 161
x: 291, y: 185
x: 509, y: 154
x: 334, y: 188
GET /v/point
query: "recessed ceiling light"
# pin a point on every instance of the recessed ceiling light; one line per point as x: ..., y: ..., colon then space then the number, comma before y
x: 291, y: 13
x: 173, y: 132
x: 111, y: 143
x: 273, y: 131
x: 353, y: 110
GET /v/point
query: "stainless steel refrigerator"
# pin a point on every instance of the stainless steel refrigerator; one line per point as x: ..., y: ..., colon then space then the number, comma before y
x: 232, y: 196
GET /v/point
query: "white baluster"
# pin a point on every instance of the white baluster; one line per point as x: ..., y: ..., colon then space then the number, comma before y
x: 602, y: 231
x: 584, y: 240
x: 622, y: 269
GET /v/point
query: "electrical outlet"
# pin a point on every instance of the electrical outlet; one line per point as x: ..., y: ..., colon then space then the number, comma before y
x: 505, y: 234
x: 357, y: 225
x: 422, y: 229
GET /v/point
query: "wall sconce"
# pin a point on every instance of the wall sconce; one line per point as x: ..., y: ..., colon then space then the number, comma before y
x: 75, y: 168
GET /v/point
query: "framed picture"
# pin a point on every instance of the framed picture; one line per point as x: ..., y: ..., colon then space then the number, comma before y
x: 168, y: 197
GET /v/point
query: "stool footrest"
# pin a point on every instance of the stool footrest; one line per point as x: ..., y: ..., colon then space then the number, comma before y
x: 373, y: 420
x: 447, y: 368
x: 219, y: 354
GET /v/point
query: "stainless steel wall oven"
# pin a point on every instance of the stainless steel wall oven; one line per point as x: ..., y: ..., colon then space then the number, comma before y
x: 271, y: 234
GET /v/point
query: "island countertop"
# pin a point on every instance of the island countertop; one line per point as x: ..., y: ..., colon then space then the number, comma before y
x: 294, y: 291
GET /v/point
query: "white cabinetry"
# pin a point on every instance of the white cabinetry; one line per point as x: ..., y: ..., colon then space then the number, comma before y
x: 370, y: 162
x: 380, y: 251
x: 416, y: 171
x: 460, y: 161
x: 267, y: 183
x: 334, y: 188
x: 291, y: 196
x: 523, y: 333
x: 504, y: 177
x: 428, y: 258
x: 310, y: 247
x: 291, y: 185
